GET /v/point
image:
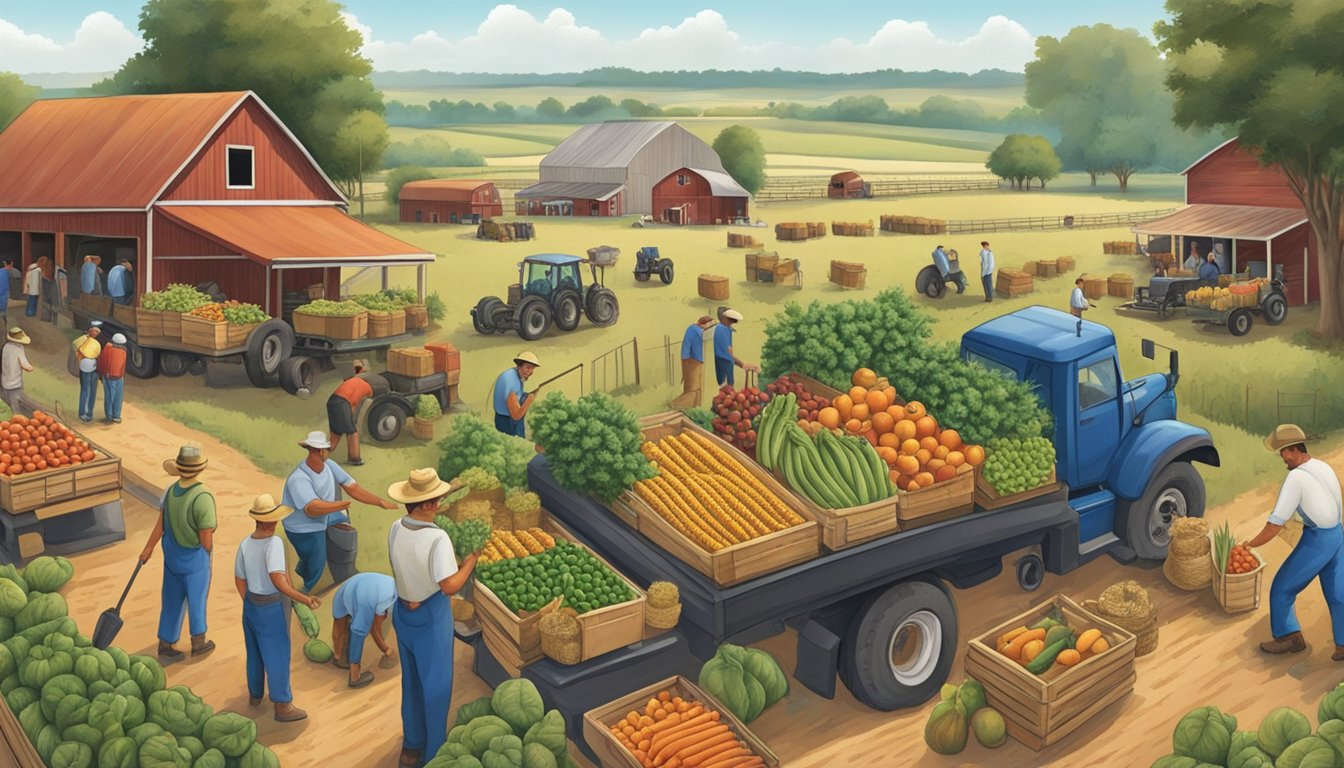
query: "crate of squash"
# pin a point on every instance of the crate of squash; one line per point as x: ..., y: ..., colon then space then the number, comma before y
x: 672, y: 722
x: 1051, y: 669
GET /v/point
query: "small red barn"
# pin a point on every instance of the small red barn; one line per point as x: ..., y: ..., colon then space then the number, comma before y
x: 432, y: 201
x: 699, y: 196
x: 846, y: 184
x: 1248, y: 215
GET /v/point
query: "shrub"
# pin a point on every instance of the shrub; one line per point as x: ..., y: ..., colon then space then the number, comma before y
x: 471, y: 442
x: 427, y: 408
x: 400, y: 177
x: 594, y: 444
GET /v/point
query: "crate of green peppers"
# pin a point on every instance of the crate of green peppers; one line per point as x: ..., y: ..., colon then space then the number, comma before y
x: 512, y: 595
x: 334, y: 319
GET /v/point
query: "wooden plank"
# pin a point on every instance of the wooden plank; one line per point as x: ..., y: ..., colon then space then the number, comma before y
x: 1064, y: 710
x: 1037, y: 743
x: 31, y: 544
x: 988, y: 498
x: 15, y: 748
x: 957, y: 493
x: 74, y: 505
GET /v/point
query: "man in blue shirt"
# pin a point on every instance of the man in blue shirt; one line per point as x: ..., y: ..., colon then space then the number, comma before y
x: 693, y: 360
x: 121, y: 283
x: 1208, y: 271
x: 90, y: 282
x: 510, y: 401
x: 724, y: 359
x: 310, y: 490
x: 4, y: 292
x: 361, y: 606
x: 940, y: 260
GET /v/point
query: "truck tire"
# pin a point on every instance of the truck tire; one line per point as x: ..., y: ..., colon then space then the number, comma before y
x: 666, y: 272
x: 173, y: 363
x: 900, y: 646
x: 642, y: 277
x: 482, y: 317
x: 141, y: 362
x: 602, y: 307
x: 1030, y: 572
x: 534, y: 318
x: 386, y: 418
x: 1239, y: 322
x: 1275, y: 309
x: 567, y: 310
x: 930, y: 283
x: 1176, y: 491
x: 300, y: 372
x: 268, y: 346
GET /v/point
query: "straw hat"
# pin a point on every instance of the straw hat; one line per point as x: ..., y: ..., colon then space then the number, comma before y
x: 733, y: 314
x: 1285, y: 435
x: 17, y: 336
x: 189, y: 461
x: 316, y: 441
x: 265, y: 510
x: 423, y: 485
x: 527, y: 357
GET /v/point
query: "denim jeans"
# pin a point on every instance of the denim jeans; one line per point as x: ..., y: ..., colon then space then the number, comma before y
x: 113, y: 389
x: 88, y: 394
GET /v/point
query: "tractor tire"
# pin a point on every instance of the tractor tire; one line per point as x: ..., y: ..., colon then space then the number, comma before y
x: 1275, y: 309
x: 641, y: 277
x: 930, y: 283
x: 173, y: 363
x: 300, y: 373
x: 567, y: 309
x: 1239, y: 322
x: 534, y: 318
x: 386, y: 418
x: 483, y: 316
x: 268, y: 346
x: 666, y: 272
x: 602, y: 307
x: 141, y: 362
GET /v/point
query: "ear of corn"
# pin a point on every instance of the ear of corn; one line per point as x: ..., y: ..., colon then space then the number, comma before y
x: 505, y: 545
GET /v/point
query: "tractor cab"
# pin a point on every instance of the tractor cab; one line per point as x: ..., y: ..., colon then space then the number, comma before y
x: 550, y: 289
x: 544, y: 274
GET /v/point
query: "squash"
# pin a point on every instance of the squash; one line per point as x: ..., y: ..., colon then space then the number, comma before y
x: 1016, y: 645
x: 1068, y: 657
x: 1086, y: 640
x: 1032, y: 649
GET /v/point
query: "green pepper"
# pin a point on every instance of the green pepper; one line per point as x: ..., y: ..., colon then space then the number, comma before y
x: 1047, y: 657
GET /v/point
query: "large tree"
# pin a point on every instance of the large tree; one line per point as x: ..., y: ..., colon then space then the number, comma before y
x: 1021, y: 158
x: 743, y: 156
x: 1272, y: 69
x: 15, y: 96
x: 299, y: 56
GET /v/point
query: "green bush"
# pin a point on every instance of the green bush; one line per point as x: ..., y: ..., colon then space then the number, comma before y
x: 427, y: 408
x: 471, y: 442
x: 593, y: 444
x: 435, y: 308
x: 400, y: 177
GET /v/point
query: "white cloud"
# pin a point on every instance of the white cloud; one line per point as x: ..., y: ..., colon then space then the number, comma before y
x: 101, y: 44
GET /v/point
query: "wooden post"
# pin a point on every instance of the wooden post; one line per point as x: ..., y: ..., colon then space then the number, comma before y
x: 635, y: 341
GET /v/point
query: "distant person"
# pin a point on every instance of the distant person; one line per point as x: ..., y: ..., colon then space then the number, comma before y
x: 1208, y: 271
x: 90, y: 275
x: 1194, y: 260
x: 693, y: 359
x: 4, y: 292
x: 51, y: 288
x: 944, y: 265
x: 87, y: 350
x: 987, y: 269
x: 112, y: 370
x: 510, y: 401
x: 1078, y: 303
x: 343, y: 413
x: 32, y: 288
x: 13, y: 364
x: 15, y: 277
x: 121, y: 283
x: 359, y: 610
x: 724, y: 359
x: 1160, y: 270
x: 1220, y: 258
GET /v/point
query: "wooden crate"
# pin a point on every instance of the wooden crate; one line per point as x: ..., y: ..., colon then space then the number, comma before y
x: 940, y: 501
x: 1094, y: 287
x: 1064, y: 264
x: 348, y: 328
x: 411, y: 362
x: 149, y: 322
x: 848, y: 274
x: 199, y: 333
x: 1237, y: 592
x: 238, y: 333
x: 49, y: 487
x: 446, y: 358
x: 600, y: 631
x: 417, y: 316
x: 816, y: 387
x: 1041, y: 710
x: 172, y: 325
x: 739, y: 562
x: 1047, y: 268
x: 611, y: 753
x: 309, y: 325
x: 988, y: 498
x: 714, y: 287
x: 785, y: 269
x: 380, y: 324
x: 124, y: 314
x: 1121, y: 287
x: 16, y: 751
x: 1029, y: 268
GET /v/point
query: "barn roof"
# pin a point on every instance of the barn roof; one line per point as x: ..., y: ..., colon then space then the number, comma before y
x: 110, y: 152
x: 721, y: 184
x: 605, y: 145
x: 1244, y: 222
x: 846, y: 176
x: 576, y: 190
x: 442, y: 190
x: 1209, y: 154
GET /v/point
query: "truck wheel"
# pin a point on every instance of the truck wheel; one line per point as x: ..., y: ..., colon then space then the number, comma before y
x: 174, y: 364
x: 1176, y: 491
x: 534, y: 318
x: 267, y: 347
x: 141, y: 362
x: 483, y: 316
x: 567, y: 310
x: 666, y: 272
x: 1275, y: 309
x: 900, y: 646
x: 385, y: 421
x: 299, y: 373
x: 1239, y: 322
x: 1030, y: 573
x: 602, y: 306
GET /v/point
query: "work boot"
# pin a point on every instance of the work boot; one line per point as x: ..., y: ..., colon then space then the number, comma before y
x: 1290, y: 643
x: 1338, y: 655
x: 288, y: 713
x: 254, y: 701
x: 200, y: 646
x: 168, y: 653
x: 410, y: 757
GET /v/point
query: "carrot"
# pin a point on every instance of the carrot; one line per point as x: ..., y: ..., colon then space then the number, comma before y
x: 728, y: 758
x: 707, y: 750
x: 681, y: 720
x: 688, y: 738
x: 1014, y: 648
x: 687, y: 725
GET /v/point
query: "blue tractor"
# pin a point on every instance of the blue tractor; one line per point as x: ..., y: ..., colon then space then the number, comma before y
x: 649, y: 263
x: 549, y: 290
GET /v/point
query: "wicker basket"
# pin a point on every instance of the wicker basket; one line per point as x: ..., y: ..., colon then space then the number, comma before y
x: 560, y: 637
x: 1188, y: 574
x: 524, y: 520
x: 1127, y: 605
x: 1188, y: 548
x: 1237, y: 592
x: 423, y: 429
x: 1143, y: 627
x: 662, y: 618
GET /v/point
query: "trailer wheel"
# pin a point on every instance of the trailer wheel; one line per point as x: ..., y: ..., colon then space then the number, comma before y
x: 1239, y: 322
x: 386, y: 419
x: 602, y: 308
x: 1275, y: 309
x: 1176, y: 491
x: 567, y: 310
x: 173, y: 363
x: 1030, y: 572
x: 141, y: 362
x: 299, y: 373
x: 267, y: 347
x: 900, y: 646
x: 666, y: 272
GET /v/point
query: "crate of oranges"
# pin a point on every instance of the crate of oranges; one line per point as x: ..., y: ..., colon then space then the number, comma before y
x: 44, y: 463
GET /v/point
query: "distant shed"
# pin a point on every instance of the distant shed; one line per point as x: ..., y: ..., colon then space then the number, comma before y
x: 699, y: 196
x: 432, y: 201
x: 847, y: 184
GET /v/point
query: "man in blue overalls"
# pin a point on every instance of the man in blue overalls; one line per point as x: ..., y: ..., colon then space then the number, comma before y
x: 362, y: 603
x: 724, y: 359
x: 426, y: 572
x: 260, y: 576
x: 188, y: 520
x: 511, y: 403
x: 1311, y: 491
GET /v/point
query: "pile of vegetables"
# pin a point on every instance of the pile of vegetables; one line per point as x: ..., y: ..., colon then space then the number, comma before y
x: 1284, y: 739
x: 231, y: 311
x: 708, y: 496
x: 735, y: 414
x: 1014, y: 465
x: 834, y: 472
x: 809, y: 405
x: 746, y: 681
x: 314, y: 650
x: 471, y: 442
x: 962, y: 710
x: 38, y: 443
x: 329, y: 308
x: 671, y: 730
x: 593, y: 444
x: 566, y: 570
x: 427, y: 408
x: 478, y: 480
x: 1229, y: 557
x: 522, y: 502
x: 509, y: 729
x: 177, y: 297
x: 467, y: 535
x: 84, y: 707
x: 378, y: 302
x: 506, y: 545
x: 1051, y: 643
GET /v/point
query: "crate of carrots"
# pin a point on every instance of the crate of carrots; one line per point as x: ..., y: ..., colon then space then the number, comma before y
x: 672, y: 723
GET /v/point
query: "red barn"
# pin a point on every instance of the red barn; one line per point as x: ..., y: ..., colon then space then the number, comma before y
x: 846, y: 184
x: 1248, y: 215
x: 192, y: 188
x: 449, y: 200
x: 699, y: 196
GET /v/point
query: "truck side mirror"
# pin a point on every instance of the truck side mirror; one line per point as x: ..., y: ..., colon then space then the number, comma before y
x: 1149, y: 349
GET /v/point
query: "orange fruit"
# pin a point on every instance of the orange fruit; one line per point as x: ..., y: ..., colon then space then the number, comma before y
x: 950, y: 438
x: 843, y: 404
x: 944, y: 473
x: 924, y: 457
x: 897, y: 412
x: 905, y: 429
x: 907, y: 465
x: 888, y: 455
x: 910, y: 447
x: 829, y: 417
x: 860, y: 411
x: 870, y: 436
x: 864, y: 377
x: 858, y: 394
x: 912, y: 484
x: 935, y: 464
x: 916, y: 410
x: 889, y: 440
x: 929, y: 444
x: 925, y: 426
x: 975, y: 455
x: 893, y: 474
x: 956, y: 459
x: 853, y: 426
x: 882, y: 422
x: 925, y: 479
x: 877, y: 400
x: 941, y: 452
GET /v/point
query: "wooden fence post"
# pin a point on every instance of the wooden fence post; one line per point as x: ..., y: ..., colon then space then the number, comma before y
x: 635, y: 341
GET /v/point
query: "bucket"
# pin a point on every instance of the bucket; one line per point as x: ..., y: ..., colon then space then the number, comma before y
x: 342, y: 548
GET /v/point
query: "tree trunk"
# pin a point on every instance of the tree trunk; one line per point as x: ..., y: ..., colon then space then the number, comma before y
x: 1093, y: 174
x: 1322, y: 196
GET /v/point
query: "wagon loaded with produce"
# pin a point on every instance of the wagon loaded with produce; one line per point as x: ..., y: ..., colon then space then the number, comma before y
x: 1234, y: 306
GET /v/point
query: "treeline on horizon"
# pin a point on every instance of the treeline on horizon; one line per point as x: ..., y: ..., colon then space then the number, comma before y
x: 621, y: 77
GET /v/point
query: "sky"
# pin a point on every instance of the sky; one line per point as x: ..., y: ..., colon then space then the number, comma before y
x: 573, y: 35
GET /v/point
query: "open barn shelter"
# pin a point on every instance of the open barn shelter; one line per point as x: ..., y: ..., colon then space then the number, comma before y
x: 449, y: 201
x: 699, y: 196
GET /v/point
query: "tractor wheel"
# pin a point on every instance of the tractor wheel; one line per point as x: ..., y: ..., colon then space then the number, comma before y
x: 930, y: 283
x: 482, y: 317
x: 300, y: 372
x: 1239, y: 322
x: 602, y: 308
x: 1275, y: 309
x: 666, y: 272
x: 642, y: 277
x: 567, y: 310
x: 534, y: 318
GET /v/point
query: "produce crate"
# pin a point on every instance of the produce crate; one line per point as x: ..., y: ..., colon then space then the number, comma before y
x: 612, y: 754
x: 1064, y: 264
x: 1047, y: 268
x: 518, y: 638
x: 149, y: 322
x: 380, y: 324
x: 1041, y: 710
x: 317, y: 291
x: 309, y: 325
x: 446, y: 358
x: 739, y: 562
x: 847, y: 274
x: 48, y: 491
x: 411, y: 362
x: 714, y: 287
x: 124, y: 314
x: 99, y: 305
x: 172, y: 325
x: 1014, y: 282
x: 417, y: 316
x: 988, y: 498
x: 1120, y: 286
x: 816, y: 387
x: 348, y: 328
x: 1094, y: 287
x: 939, y: 502
x: 200, y: 333
x: 1237, y: 592
x: 238, y: 333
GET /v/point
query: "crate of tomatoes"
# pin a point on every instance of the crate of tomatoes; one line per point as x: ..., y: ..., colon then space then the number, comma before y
x: 1237, y: 571
x: 45, y: 463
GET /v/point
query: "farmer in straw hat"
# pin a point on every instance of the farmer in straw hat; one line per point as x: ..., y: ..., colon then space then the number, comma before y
x: 693, y: 359
x: 426, y: 573
x: 188, y: 519
x: 1311, y: 490
x: 724, y: 359
x: 87, y: 350
x: 13, y: 364
x: 262, y: 581
x: 510, y: 401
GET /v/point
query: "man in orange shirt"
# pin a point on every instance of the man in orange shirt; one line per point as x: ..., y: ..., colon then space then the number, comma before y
x: 112, y: 370
x: 343, y: 412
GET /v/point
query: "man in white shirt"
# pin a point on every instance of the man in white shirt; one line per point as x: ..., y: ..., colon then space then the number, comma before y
x: 987, y: 269
x: 32, y: 288
x: 13, y: 363
x: 1078, y: 303
x: 1311, y: 491
x: 425, y: 569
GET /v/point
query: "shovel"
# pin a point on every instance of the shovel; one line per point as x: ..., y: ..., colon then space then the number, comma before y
x: 109, y: 623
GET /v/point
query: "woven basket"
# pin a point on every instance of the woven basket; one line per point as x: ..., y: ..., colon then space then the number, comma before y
x: 524, y: 520
x: 1144, y: 627
x: 560, y: 637
x: 502, y: 518
x: 662, y: 618
x: 423, y: 429
x: 1187, y: 547
x: 1188, y: 573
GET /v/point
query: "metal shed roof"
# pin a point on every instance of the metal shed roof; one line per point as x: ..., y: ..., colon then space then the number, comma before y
x: 721, y: 184
x: 1244, y: 222
x: 604, y: 145
x: 577, y: 190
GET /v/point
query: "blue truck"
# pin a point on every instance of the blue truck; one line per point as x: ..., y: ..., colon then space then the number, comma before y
x: 881, y: 616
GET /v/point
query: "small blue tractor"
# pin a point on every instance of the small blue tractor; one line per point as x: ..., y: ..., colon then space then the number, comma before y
x: 648, y: 262
x: 549, y: 290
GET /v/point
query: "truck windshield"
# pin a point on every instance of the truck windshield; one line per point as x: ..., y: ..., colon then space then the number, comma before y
x: 1096, y: 383
x: 993, y: 365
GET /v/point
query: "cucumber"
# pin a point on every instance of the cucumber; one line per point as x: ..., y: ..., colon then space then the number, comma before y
x: 855, y: 470
x: 809, y: 461
x: 1047, y: 657
x: 764, y: 454
x: 1055, y: 634
x: 1048, y: 623
x: 832, y: 478
x: 855, y: 446
x: 838, y: 461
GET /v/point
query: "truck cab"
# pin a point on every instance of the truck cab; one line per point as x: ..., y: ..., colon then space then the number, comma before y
x: 1119, y: 447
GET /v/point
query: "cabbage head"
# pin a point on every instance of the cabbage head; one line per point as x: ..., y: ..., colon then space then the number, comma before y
x: 474, y: 709
x: 7, y: 628
x: 1242, y: 740
x: 518, y: 703
x: 231, y: 734
x: 212, y: 758
x: 1203, y: 735
x: 19, y: 697
x: 1250, y: 757
x: 724, y: 679
x: 193, y: 746
x: 1281, y: 728
x: 504, y: 752
x: 464, y: 761
x: 41, y: 607
x: 1332, y: 705
x: 120, y: 658
x: 72, y: 710
x: 84, y: 734
x: 161, y: 752
x: 58, y: 688
x: 549, y: 733
x: 12, y: 599
x: 258, y: 756
x: 1310, y: 752
x: 8, y: 664
x: 763, y: 667
x: 148, y: 675
x: 71, y: 754
x: 32, y: 721
x: 477, y: 734
x: 48, y: 574
x: 178, y: 711
x: 9, y: 571
x: 537, y: 756
x: 1176, y: 761
x: 42, y: 665
x: 120, y: 752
